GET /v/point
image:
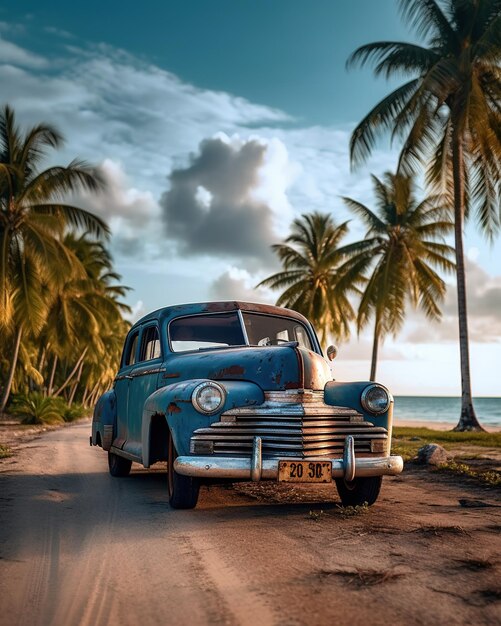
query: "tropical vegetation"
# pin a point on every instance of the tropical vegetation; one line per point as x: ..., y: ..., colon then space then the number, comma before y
x: 400, y: 252
x: 449, y: 117
x: 315, y: 279
x: 61, y: 315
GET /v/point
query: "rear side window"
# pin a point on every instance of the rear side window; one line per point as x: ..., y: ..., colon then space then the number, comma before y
x: 129, y: 356
x: 150, y: 344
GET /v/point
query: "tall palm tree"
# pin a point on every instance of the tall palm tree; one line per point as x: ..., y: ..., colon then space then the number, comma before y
x: 402, y: 246
x: 314, y: 277
x: 449, y: 116
x: 33, y: 219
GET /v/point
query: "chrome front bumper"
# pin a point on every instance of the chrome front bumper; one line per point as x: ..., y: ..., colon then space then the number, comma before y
x: 256, y: 468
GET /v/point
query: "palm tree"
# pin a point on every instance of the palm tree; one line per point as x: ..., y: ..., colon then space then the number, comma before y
x: 33, y: 219
x: 402, y: 245
x: 314, y: 277
x: 83, y: 311
x: 449, y: 115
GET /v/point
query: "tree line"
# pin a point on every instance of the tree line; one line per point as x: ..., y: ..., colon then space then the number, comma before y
x: 61, y: 309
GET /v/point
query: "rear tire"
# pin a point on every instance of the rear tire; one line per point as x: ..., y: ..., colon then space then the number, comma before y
x: 359, y: 491
x: 119, y: 467
x: 183, y: 490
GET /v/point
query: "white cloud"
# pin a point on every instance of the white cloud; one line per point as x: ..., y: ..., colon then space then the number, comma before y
x: 225, y: 200
x: 10, y: 53
x: 137, y: 312
x: 120, y: 203
x: 238, y: 284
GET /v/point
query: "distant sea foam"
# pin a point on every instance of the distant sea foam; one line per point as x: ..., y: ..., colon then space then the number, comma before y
x: 439, y: 409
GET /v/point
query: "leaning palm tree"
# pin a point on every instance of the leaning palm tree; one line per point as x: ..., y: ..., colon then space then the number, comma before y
x: 33, y: 219
x: 315, y: 281
x: 402, y: 247
x: 449, y: 116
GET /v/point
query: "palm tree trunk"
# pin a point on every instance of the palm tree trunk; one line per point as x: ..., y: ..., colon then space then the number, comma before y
x: 41, y: 361
x: 93, y: 394
x: 52, y: 375
x: 375, y: 348
x: 10, y: 376
x: 72, y: 373
x: 468, y: 419
x: 74, y: 388
x: 85, y: 394
x: 72, y: 394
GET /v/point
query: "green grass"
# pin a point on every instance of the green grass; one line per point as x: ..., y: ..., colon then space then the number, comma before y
x: 5, y: 451
x: 487, y: 477
x: 406, y: 448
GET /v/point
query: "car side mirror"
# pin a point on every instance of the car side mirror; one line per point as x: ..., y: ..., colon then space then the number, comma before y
x: 331, y: 353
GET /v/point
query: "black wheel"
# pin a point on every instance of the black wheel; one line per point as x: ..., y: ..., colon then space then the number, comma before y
x: 359, y: 491
x: 183, y: 490
x: 119, y: 467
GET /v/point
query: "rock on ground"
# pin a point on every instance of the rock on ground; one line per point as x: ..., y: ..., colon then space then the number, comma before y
x: 432, y: 454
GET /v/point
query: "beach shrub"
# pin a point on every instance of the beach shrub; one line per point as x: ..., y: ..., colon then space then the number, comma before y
x: 34, y: 408
x: 74, y: 412
x: 5, y: 451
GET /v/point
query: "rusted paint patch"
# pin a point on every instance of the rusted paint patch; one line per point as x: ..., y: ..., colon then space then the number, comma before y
x: 277, y: 377
x: 316, y: 370
x: 228, y: 372
x: 293, y: 384
x: 171, y: 375
x: 173, y: 408
x: 213, y: 307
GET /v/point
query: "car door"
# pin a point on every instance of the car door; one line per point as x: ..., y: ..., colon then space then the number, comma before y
x: 143, y: 382
x: 122, y: 380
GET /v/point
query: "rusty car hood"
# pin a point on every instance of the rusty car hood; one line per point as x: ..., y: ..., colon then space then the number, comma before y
x: 273, y: 368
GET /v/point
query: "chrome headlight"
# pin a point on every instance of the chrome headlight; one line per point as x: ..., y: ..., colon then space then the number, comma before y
x: 208, y: 397
x: 375, y: 399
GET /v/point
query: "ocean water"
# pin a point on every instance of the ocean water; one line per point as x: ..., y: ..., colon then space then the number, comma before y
x: 443, y: 409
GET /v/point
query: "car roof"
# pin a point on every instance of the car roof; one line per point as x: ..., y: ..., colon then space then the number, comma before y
x: 195, y: 308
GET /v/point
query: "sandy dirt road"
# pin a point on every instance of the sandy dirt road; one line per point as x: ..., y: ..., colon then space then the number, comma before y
x: 78, y: 547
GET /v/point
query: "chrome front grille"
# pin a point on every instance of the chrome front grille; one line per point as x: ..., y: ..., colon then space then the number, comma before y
x: 290, y: 424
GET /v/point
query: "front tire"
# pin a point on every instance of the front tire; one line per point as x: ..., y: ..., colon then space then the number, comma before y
x: 359, y: 491
x: 119, y: 467
x: 183, y: 490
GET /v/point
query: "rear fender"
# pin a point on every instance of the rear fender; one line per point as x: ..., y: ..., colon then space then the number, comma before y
x: 174, y: 403
x: 104, y: 420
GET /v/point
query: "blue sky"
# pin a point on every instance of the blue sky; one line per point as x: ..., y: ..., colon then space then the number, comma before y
x: 288, y: 54
x: 216, y: 123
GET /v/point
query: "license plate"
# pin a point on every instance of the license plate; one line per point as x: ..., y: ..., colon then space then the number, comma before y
x: 305, y: 471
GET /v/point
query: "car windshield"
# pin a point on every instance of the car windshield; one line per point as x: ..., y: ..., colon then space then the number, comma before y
x: 270, y: 330
x: 220, y: 330
x: 196, y: 332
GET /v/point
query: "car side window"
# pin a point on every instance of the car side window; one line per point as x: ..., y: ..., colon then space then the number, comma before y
x: 130, y: 350
x: 150, y: 344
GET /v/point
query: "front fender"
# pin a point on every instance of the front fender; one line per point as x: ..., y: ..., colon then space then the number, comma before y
x: 349, y: 394
x: 174, y: 402
x: 104, y: 419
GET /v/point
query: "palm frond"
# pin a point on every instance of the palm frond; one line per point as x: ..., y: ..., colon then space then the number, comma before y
x: 427, y: 18
x: 378, y: 121
x: 74, y: 217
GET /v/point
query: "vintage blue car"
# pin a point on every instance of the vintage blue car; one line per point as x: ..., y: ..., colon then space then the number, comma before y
x: 239, y: 391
